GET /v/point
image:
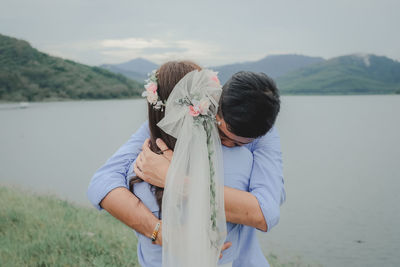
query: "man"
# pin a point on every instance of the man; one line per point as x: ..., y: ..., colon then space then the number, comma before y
x: 248, y: 109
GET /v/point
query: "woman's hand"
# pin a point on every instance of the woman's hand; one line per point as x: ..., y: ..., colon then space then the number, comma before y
x: 153, y: 167
x: 159, y: 237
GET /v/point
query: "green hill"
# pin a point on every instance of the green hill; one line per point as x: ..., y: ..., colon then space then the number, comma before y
x: 27, y: 74
x: 353, y: 74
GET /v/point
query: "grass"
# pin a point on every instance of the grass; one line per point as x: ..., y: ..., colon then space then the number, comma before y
x: 37, y: 230
x: 46, y: 231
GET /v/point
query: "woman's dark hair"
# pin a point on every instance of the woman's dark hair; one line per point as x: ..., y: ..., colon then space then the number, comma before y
x: 168, y: 75
x: 249, y: 104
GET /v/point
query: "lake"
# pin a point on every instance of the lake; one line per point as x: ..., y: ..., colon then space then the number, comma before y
x: 341, y: 165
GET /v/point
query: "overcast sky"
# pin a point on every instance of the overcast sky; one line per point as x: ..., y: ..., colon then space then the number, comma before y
x: 210, y: 32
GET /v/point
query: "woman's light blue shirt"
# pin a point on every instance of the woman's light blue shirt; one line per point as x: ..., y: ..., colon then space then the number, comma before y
x: 238, y: 163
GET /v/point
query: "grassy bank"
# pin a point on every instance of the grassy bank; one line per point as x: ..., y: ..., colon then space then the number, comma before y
x: 46, y: 231
x: 40, y: 230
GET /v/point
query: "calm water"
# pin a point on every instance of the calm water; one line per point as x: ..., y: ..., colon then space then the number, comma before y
x: 341, y: 158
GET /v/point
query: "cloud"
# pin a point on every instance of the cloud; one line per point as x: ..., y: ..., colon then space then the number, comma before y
x: 158, y: 50
x: 112, y: 51
x: 134, y: 43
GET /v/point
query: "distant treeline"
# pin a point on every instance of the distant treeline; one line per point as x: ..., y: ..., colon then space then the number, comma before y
x: 27, y: 74
x: 353, y: 74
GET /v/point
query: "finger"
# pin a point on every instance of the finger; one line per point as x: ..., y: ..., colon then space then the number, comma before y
x: 140, y: 158
x: 139, y: 165
x: 137, y: 171
x: 146, y: 146
x: 226, y: 246
x: 147, y: 152
x: 139, y: 161
x: 161, y: 145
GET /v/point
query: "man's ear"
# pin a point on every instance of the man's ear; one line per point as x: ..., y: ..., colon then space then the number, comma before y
x: 219, y: 119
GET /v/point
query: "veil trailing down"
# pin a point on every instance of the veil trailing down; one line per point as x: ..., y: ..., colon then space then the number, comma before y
x: 194, y: 224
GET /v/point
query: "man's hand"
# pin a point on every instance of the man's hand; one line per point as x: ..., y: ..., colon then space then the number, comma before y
x: 224, y: 247
x: 153, y: 167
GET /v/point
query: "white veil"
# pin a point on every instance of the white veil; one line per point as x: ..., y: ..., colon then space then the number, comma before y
x: 193, y: 215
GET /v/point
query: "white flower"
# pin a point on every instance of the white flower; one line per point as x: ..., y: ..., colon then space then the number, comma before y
x: 204, y: 105
x: 159, y: 104
x: 152, y: 97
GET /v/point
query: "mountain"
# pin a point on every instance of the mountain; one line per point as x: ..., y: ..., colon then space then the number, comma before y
x: 140, y: 77
x: 27, y: 74
x: 274, y: 65
x: 136, y: 69
x: 138, y: 65
x: 351, y: 74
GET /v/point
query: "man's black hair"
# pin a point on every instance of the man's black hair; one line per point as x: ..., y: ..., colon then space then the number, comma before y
x: 249, y: 104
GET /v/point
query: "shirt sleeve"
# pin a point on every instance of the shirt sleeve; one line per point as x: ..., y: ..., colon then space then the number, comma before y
x: 114, y: 172
x: 266, y: 181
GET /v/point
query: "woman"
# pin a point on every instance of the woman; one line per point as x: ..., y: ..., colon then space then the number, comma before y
x: 182, y: 106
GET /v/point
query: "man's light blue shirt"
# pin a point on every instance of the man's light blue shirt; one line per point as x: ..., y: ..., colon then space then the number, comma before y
x: 265, y: 183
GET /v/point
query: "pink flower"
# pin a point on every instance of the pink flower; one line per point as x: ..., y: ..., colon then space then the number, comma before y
x: 194, y: 111
x: 152, y: 87
x: 215, y: 79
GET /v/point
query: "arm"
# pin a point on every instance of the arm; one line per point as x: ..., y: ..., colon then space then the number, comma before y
x: 266, y: 181
x: 108, y: 187
x: 258, y: 208
x: 242, y: 207
x: 127, y: 208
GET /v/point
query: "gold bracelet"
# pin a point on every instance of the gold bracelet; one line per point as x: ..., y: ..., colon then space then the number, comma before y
x: 155, y: 232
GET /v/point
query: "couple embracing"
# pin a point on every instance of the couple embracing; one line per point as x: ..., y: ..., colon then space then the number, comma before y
x: 204, y: 172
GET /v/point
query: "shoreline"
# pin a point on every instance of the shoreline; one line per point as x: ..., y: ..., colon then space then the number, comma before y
x: 5, y: 102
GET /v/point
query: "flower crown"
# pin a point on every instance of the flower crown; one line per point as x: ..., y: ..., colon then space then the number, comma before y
x: 151, y: 92
x: 197, y: 107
